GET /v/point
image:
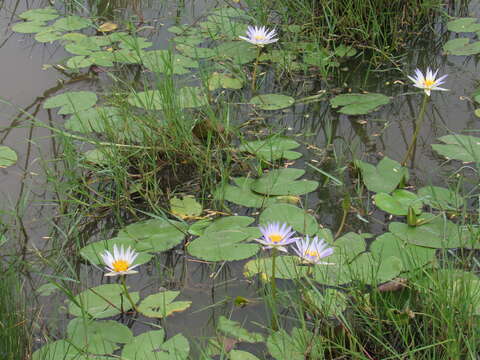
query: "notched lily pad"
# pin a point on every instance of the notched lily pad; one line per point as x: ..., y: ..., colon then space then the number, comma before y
x: 399, y: 202
x: 459, y: 147
x: 284, y: 182
x: 462, y: 47
x: 186, y: 208
x: 233, y: 329
x: 291, y: 215
x: 151, y: 345
x: 273, y: 148
x: 8, y: 157
x: 359, y: 104
x: 272, y: 101
x: 71, y: 102
x: 384, y: 177
x: 463, y: 25
x: 162, y: 305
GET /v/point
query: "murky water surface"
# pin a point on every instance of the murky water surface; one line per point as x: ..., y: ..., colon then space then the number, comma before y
x: 25, y: 80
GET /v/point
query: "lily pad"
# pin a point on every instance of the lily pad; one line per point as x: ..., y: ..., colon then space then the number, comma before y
x: 359, y: 104
x: 29, y: 27
x: 101, y: 301
x: 459, y: 147
x: 8, y: 157
x: 398, y: 202
x: 347, y: 247
x: 329, y: 302
x: 462, y: 47
x: 187, y: 97
x: 273, y: 148
x: 42, y: 14
x: 241, y: 194
x: 58, y: 350
x: 223, y: 81
x: 384, y: 177
x: 223, y: 245
x: 151, y: 345
x: 283, y: 182
x: 186, y: 208
x: 440, y: 198
x: 155, y: 235
x: 162, y: 305
x: 299, y: 345
x: 463, y: 25
x: 97, y: 119
x: 242, y: 355
x: 233, y: 329
x: 163, y: 61
x: 71, y: 102
x: 272, y: 101
x: 72, y: 23
x: 293, y: 216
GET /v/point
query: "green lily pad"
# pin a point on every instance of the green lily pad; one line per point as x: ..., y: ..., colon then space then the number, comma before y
x: 273, y: 148
x: 399, y: 202
x: 198, y: 227
x: 48, y: 36
x: 101, y: 301
x: 359, y: 104
x: 234, y: 330
x: 283, y: 182
x: 462, y: 47
x: 463, y: 25
x: 155, y: 235
x: 384, y: 177
x: 241, y: 194
x: 223, y: 81
x: 347, y: 247
x: 97, y: 119
x: 72, y: 23
x: 440, y: 198
x: 241, y: 355
x: 187, y: 46
x: 223, y: 245
x: 42, y: 14
x: 29, y: 27
x: 188, y: 97
x: 238, y: 52
x: 459, y: 147
x: 293, y: 216
x: 72, y: 101
x: 162, y: 305
x: 186, y: 207
x: 151, y: 345
x: 98, y: 337
x: 8, y: 157
x: 299, y: 345
x: 58, y: 350
x: 79, y: 62
x: 329, y: 302
x: 163, y: 61
x: 272, y: 101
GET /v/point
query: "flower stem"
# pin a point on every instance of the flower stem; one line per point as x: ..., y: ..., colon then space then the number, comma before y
x: 124, y: 283
x: 273, y: 284
x: 255, y: 66
x: 418, y: 126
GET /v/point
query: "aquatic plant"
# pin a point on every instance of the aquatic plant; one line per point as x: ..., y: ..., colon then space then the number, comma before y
x: 260, y: 36
x: 120, y: 262
x: 429, y: 81
x: 276, y: 235
x: 312, y: 251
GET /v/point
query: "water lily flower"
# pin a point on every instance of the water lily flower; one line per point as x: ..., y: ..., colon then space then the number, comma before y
x: 120, y: 262
x: 428, y: 82
x: 260, y: 36
x: 312, y: 251
x: 276, y: 236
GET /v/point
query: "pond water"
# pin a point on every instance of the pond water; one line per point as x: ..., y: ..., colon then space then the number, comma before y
x: 329, y: 139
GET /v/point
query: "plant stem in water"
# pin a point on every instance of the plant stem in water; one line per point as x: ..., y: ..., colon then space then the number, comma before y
x: 274, y: 291
x: 254, y: 76
x: 418, y: 126
x: 124, y: 283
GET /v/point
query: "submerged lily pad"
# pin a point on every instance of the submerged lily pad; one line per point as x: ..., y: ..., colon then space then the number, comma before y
x: 283, y: 182
x: 459, y: 147
x: 71, y: 102
x: 162, y: 305
x: 272, y: 101
x: 273, y: 148
x: 8, y: 157
x: 398, y: 202
x: 151, y: 345
x: 233, y: 329
x: 359, y: 104
x: 291, y: 215
x: 101, y: 301
x: 384, y: 177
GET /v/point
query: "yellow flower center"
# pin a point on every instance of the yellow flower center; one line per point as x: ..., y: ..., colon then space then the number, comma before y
x: 312, y: 253
x: 275, y: 238
x: 120, y: 265
x: 259, y: 37
x: 428, y: 83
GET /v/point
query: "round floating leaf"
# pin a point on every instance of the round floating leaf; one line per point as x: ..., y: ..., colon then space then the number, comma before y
x: 462, y: 47
x: 163, y: 61
x: 108, y: 27
x: 384, y: 177
x: 97, y: 119
x: 185, y: 208
x: 8, y: 157
x: 222, y: 81
x: 459, y: 147
x: 293, y: 216
x: 272, y: 101
x: 71, y: 102
x: 329, y: 302
x: 282, y: 182
x: 93, y: 251
x: 198, y: 227
x: 272, y: 149
x: 241, y: 194
x: 48, y: 36
x: 233, y: 329
x: 43, y: 14
x: 188, y: 48
x: 399, y: 202
x: 188, y: 97
x: 72, y: 23
x: 78, y: 62
x: 58, y: 350
x: 29, y: 27
x: 229, y: 223
x: 241, y: 355
x: 101, y: 301
x: 347, y: 248
x: 440, y: 198
x: 299, y: 345
x: 155, y: 235
x: 98, y: 337
x: 162, y: 305
x: 224, y: 245
x: 286, y: 267
x: 238, y: 52
x: 463, y: 25
x: 151, y: 346
x: 359, y: 104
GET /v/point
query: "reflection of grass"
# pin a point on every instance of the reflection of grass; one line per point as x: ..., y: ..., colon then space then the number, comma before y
x: 14, y: 339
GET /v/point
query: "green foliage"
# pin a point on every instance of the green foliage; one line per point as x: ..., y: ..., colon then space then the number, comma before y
x: 188, y: 97
x: 299, y: 219
x: 161, y: 305
x: 384, y: 177
x: 241, y: 193
x: 398, y: 202
x: 233, y: 329
x: 463, y: 25
x: 71, y: 102
x: 284, y: 182
x: 272, y: 148
x: 186, y: 207
x: 151, y: 345
x: 358, y: 104
x: 8, y: 157
x: 459, y: 147
x: 272, y: 101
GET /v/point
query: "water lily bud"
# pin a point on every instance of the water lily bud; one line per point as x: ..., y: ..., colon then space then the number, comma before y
x: 411, y: 217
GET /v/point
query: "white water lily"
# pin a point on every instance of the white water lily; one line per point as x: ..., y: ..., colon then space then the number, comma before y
x: 120, y: 262
x: 429, y: 81
x: 313, y: 251
x: 260, y: 36
x: 276, y: 236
